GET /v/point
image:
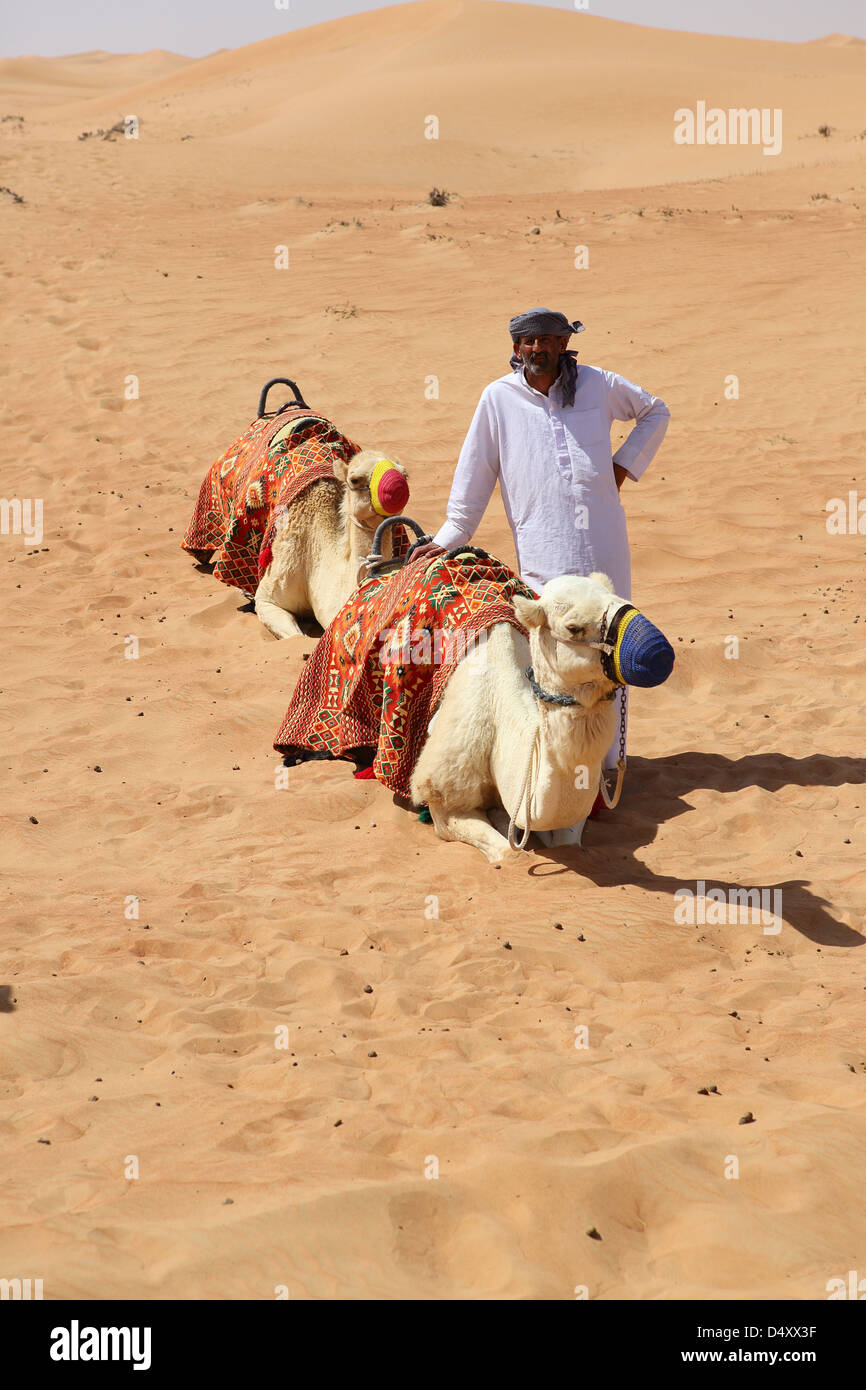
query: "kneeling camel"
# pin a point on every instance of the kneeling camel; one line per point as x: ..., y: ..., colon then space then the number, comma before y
x: 320, y: 541
x: 532, y: 743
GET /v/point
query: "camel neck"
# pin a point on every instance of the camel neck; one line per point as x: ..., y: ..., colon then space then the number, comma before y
x: 358, y: 536
x: 562, y: 726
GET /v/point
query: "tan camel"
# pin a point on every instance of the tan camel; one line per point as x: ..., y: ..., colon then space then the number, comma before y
x: 318, y: 546
x: 495, y: 742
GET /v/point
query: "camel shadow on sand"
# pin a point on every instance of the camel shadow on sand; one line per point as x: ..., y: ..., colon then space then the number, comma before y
x: 657, y: 789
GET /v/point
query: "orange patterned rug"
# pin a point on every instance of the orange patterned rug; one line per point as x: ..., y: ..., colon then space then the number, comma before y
x: 378, y: 672
x: 238, y: 501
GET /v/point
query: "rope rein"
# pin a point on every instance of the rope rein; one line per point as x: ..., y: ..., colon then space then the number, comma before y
x: 526, y: 794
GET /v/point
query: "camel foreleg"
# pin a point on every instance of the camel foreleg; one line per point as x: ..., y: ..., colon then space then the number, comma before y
x: 271, y: 612
x: 472, y: 828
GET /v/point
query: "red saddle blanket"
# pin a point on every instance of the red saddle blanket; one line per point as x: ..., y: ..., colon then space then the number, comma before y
x: 378, y: 672
x: 238, y: 502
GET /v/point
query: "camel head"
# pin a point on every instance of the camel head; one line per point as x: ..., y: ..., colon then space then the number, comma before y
x: 372, y: 491
x: 563, y: 625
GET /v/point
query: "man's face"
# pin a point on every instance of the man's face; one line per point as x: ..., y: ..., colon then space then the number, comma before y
x: 540, y: 354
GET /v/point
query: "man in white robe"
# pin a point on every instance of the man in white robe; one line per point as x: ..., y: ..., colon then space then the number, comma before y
x: 542, y: 432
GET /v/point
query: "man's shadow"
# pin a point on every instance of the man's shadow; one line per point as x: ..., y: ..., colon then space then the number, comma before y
x: 659, y: 786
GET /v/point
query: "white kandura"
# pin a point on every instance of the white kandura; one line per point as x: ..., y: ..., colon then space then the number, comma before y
x: 554, y: 467
x: 551, y: 462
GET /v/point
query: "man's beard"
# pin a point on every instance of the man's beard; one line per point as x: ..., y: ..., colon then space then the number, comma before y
x: 543, y: 362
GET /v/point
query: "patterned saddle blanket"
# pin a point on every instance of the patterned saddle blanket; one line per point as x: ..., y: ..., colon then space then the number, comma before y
x: 377, y: 674
x: 262, y: 473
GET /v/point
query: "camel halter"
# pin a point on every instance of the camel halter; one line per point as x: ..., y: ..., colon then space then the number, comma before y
x: 618, y: 620
x: 527, y: 788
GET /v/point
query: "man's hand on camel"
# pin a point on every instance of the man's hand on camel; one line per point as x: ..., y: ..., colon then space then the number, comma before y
x: 427, y: 551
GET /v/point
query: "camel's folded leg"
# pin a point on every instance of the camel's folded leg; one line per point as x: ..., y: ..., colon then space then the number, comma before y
x: 277, y: 620
x: 472, y: 828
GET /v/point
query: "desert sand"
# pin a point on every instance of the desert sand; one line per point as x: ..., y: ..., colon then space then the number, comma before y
x: 148, y: 1044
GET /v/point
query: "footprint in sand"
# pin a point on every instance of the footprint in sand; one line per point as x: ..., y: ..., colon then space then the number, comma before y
x: 219, y: 614
x: 39, y: 1060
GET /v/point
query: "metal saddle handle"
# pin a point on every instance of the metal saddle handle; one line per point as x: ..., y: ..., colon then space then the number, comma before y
x: 280, y: 381
x: 376, y: 562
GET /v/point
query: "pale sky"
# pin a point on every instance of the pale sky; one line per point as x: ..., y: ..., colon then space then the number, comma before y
x: 197, y: 27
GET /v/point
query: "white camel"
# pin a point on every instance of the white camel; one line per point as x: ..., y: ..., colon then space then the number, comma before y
x: 495, y: 742
x: 319, y: 543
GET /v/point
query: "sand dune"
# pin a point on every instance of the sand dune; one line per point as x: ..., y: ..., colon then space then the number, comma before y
x: 48, y: 81
x: 153, y: 1036
x: 345, y: 103
x: 841, y: 41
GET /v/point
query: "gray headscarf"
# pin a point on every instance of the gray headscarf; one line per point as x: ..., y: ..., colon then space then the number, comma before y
x: 546, y: 321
